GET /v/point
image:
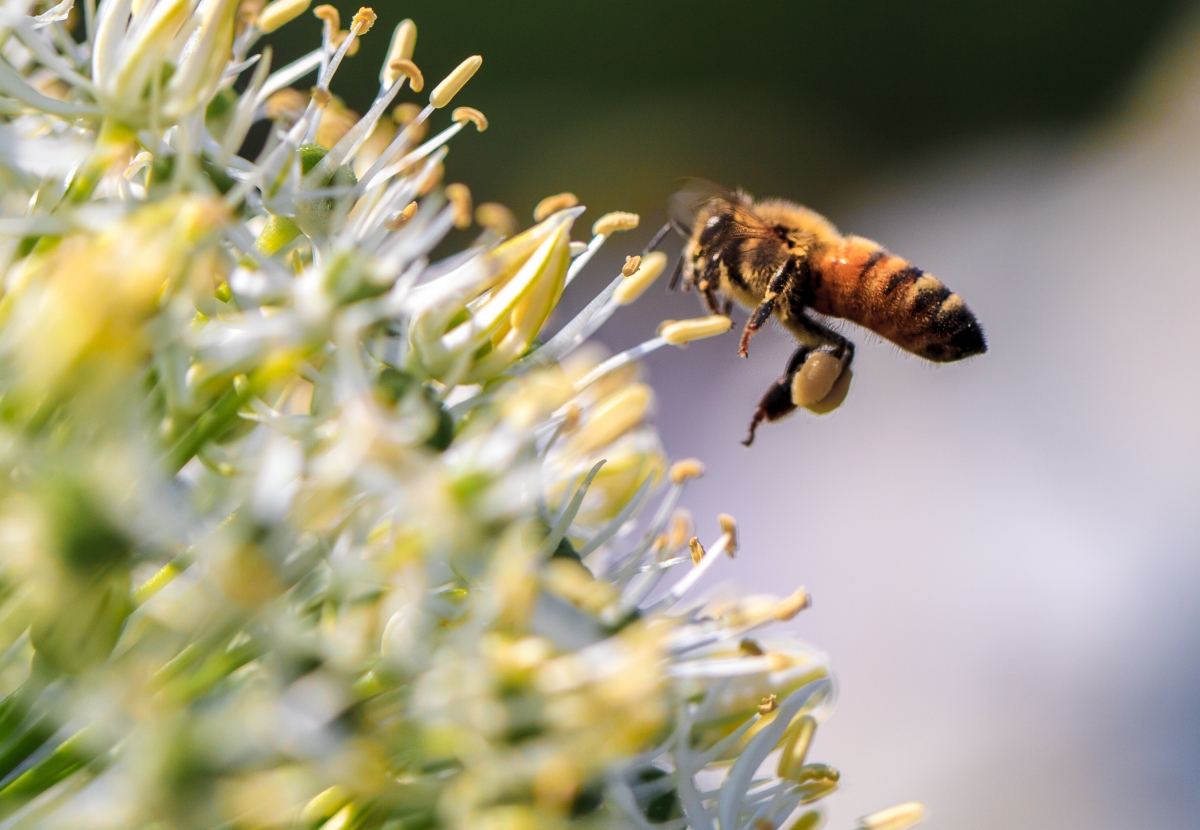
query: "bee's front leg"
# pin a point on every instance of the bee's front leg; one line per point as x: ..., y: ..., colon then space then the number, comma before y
x: 763, y: 311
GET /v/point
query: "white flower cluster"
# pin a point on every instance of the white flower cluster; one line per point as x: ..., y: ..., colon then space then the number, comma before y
x: 303, y: 527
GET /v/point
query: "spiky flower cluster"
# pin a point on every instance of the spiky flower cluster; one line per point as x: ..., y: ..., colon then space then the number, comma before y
x: 303, y: 527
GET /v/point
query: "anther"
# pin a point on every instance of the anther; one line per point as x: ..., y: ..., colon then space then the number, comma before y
x: 404, y: 42
x: 363, y: 20
x: 680, y: 530
x: 455, y: 81
x: 329, y: 15
x: 404, y: 66
x: 900, y: 817
x: 553, y: 204
x: 402, y: 218
x: 461, y: 115
x: 796, y: 747
x: 686, y: 469
x: 496, y: 217
x: 614, y: 222
x: 288, y: 104
x: 634, y: 285
x: 768, y: 705
x: 280, y: 12
x: 729, y: 528
x: 778, y: 661
x: 321, y: 97
x: 459, y: 196
x: 631, y: 265
x: 576, y: 248
x: 792, y: 605
x: 750, y: 648
x: 685, y: 331
x: 697, y: 550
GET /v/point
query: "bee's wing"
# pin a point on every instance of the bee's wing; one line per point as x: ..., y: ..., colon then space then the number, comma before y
x: 698, y: 194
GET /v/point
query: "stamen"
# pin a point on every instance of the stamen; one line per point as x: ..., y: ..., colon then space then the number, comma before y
x: 459, y: 196
x: 681, y: 529
x: 280, y: 12
x: 288, y: 105
x: 464, y: 114
x: 900, y: 817
x: 402, y: 218
x: 769, y: 704
x: 444, y: 92
x: 364, y: 20
x: 611, y: 418
x: 496, y: 217
x: 614, y: 222
x: 697, y: 550
x: 792, y: 605
x: 680, y: 332
x: 553, y: 204
x: 631, y: 265
x: 404, y: 66
x: 576, y: 248
x: 792, y: 757
x: 729, y: 528
x: 636, y: 283
x: 330, y: 15
x: 686, y: 469
x: 321, y: 97
x: 404, y: 42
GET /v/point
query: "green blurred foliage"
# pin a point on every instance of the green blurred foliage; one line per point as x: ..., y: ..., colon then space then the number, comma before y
x: 808, y: 99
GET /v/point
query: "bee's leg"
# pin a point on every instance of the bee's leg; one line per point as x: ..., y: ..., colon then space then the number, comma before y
x: 706, y: 283
x: 827, y: 367
x: 676, y: 275
x: 777, y: 402
x: 657, y: 239
x: 761, y: 314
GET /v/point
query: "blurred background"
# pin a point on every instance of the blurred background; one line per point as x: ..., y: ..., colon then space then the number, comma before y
x: 1004, y: 553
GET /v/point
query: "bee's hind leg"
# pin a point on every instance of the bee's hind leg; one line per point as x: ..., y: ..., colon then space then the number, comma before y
x: 777, y: 403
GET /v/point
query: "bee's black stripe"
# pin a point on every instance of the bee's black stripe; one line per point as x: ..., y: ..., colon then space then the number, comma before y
x: 871, y: 262
x: 732, y: 257
x: 933, y: 298
x: 901, y: 277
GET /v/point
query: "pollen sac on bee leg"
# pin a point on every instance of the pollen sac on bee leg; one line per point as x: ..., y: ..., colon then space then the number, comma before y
x: 816, y: 378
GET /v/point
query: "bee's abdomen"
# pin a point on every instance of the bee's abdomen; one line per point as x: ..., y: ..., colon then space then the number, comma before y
x: 861, y: 282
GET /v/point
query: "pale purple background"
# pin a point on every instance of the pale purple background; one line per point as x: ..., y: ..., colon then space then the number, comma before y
x: 1004, y: 554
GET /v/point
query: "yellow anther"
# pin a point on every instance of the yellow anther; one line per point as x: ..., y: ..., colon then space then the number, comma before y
x: 800, y: 735
x: 404, y: 41
x: 614, y: 222
x: 459, y: 196
x: 778, y: 661
x: 404, y: 66
x: 287, y: 104
x: 768, y: 705
x: 750, y: 648
x: 680, y: 530
x: 280, y: 12
x: 900, y: 817
x: 571, y: 418
x: 686, y: 469
x: 553, y: 204
x: 497, y: 218
x: 461, y: 115
x: 329, y: 15
x: 432, y: 179
x: 363, y: 20
x: 444, y: 92
x: 697, y: 550
x: 729, y: 528
x: 685, y: 331
x: 631, y: 265
x: 402, y: 218
x: 612, y: 417
x: 321, y: 97
x: 792, y: 605
x: 635, y: 284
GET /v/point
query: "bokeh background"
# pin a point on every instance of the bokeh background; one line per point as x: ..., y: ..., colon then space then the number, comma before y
x: 1004, y: 555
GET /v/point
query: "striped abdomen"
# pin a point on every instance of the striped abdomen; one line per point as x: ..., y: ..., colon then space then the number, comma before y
x: 861, y: 282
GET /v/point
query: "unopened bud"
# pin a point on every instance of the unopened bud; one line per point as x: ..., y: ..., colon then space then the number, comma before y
x: 404, y: 42
x: 792, y: 605
x: 686, y: 469
x: 280, y: 12
x: 636, y: 283
x: 615, y: 222
x: 553, y: 204
x: 900, y: 817
x: 685, y: 331
x: 444, y: 92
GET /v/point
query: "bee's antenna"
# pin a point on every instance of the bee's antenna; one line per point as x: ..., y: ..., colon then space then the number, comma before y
x: 658, y: 238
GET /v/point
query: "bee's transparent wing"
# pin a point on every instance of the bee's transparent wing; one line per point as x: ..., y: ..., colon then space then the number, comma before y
x: 697, y: 195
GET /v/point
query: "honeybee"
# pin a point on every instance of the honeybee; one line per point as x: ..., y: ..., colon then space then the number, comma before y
x: 783, y: 260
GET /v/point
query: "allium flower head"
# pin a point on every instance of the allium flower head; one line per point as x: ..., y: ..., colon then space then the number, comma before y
x: 306, y: 527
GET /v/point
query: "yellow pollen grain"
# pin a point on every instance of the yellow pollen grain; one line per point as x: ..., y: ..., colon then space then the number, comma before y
x: 364, y: 20
x: 697, y: 550
x: 790, y: 606
x: 461, y: 115
x: 280, y: 12
x: 459, y: 196
x: 553, y: 204
x: 496, y: 217
x: 402, y: 218
x: 406, y: 67
x: 768, y: 705
x: 900, y: 817
x: 685, y: 331
x: 615, y: 222
x: 444, y: 92
x: 329, y: 15
x: 631, y: 265
x: 686, y: 469
x: 770, y: 295
x: 729, y: 528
